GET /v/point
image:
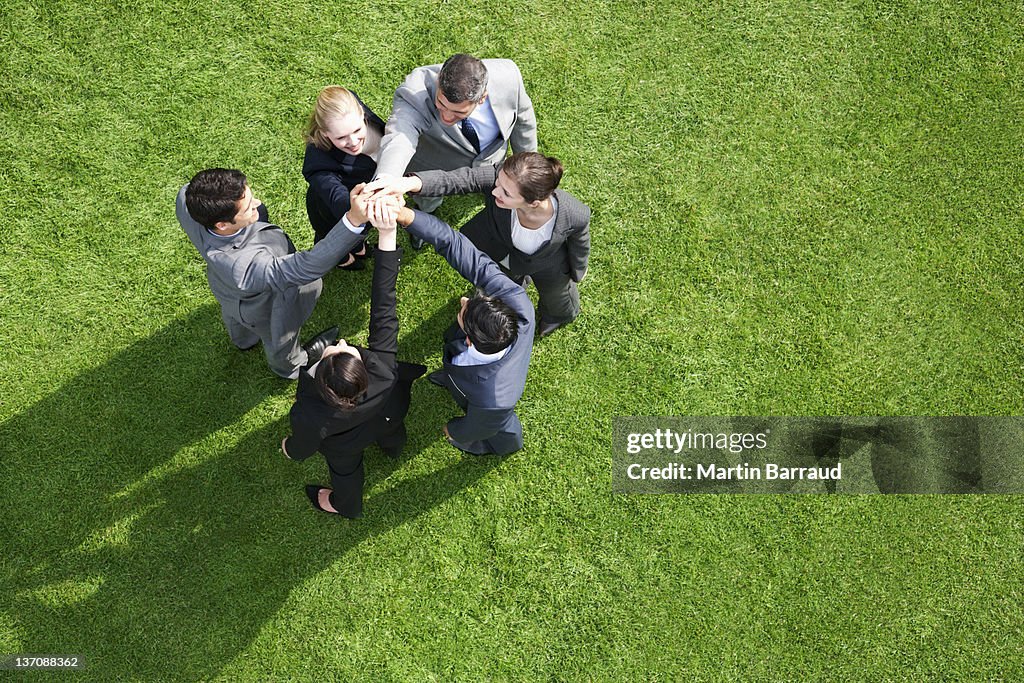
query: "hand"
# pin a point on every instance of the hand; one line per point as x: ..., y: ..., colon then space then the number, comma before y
x: 386, y: 184
x: 359, y: 199
x: 383, y: 212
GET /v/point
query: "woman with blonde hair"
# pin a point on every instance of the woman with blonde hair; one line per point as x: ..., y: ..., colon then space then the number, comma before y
x: 342, y: 146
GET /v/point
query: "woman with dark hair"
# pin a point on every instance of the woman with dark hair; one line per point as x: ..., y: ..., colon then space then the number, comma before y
x: 350, y: 397
x: 342, y: 147
x: 528, y: 226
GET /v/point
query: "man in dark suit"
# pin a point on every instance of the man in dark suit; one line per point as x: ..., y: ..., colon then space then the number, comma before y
x: 266, y: 289
x: 487, y: 350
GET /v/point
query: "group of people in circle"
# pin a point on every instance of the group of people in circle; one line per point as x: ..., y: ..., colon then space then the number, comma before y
x: 451, y: 128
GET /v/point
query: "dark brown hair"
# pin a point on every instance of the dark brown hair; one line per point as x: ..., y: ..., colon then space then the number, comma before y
x: 490, y: 323
x: 341, y: 379
x: 536, y: 175
x: 463, y: 78
x: 212, y: 196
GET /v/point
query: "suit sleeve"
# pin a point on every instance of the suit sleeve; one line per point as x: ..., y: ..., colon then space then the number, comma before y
x: 524, y: 133
x: 403, y: 129
x: 383, y: 312
x: 466, y: 259
x: 265, y: 271
x: 477, y: 424
x: 460, y: 181
x: 578, y: 244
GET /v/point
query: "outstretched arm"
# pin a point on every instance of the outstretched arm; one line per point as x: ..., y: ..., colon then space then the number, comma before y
x: 331, y: 192
x: 460, y: 181
x: 409, y: 118
x: 265, y: 270
x: 383, y: 311
x: 438, y: 183
x: 461, y: 254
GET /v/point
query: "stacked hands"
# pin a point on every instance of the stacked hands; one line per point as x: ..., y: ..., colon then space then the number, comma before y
x: 375, y: 206
x: 382, y: 202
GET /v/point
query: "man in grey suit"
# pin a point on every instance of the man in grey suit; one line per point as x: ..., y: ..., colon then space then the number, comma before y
x: 266, y: 289
x: 487, y: 349
x: 465, y: 112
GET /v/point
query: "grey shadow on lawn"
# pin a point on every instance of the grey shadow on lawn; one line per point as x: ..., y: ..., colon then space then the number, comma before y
x: 151, y: 558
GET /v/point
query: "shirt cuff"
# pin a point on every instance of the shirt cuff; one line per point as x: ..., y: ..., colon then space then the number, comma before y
x: 352, y: 228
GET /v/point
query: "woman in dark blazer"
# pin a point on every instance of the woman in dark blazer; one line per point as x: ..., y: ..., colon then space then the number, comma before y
x: 528, y: 226
x: 342, y: 146
x: 350, y: 397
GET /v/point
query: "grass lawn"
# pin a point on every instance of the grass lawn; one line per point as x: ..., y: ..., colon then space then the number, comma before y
x: 800, y: 208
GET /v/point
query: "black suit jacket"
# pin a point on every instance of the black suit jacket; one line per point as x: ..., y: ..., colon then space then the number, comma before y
x: 491, y: 229
x: 335, y: 431
x: 331, y: 176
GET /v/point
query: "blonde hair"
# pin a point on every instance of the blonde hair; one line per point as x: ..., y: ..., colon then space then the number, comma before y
x: 332, y: 102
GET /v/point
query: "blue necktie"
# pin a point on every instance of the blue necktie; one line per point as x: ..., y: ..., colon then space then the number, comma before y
x: 470, y: 133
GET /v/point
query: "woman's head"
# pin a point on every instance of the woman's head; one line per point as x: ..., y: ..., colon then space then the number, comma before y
x: 341, y: 376
x: 527, y: 178
x: 337, y: 121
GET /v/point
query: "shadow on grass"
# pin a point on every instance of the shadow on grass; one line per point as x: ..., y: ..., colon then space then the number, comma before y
x: 149, y: 532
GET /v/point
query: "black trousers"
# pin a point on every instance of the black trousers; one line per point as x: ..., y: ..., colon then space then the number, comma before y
x: 346, y: 467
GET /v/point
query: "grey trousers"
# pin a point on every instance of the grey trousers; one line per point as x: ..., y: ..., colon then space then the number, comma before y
x: 278, y: 329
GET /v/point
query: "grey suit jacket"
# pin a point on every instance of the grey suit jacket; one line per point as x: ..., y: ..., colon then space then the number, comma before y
x: 259, y: 279
x: 415, y: 138
x: 491, y: 229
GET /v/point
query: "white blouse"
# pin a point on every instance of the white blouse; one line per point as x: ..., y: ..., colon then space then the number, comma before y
x: 530, y: 240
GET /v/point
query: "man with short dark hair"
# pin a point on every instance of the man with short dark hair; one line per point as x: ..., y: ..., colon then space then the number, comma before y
x: 487, y: 350
x: 265, y: 288
x: 465, y: 112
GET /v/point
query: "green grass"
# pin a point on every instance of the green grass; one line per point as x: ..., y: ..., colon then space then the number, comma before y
x: 799, y: 209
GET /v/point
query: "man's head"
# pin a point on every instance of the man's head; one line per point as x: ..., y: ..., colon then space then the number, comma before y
x: 220, y: 199
x: 489, y: 323
x: 341, y: 376
x: 461, y: 86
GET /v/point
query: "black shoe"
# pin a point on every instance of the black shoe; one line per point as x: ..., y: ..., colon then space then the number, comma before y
x: 355, y: 264
x: 314, y: 348
x: 313, y: 493
x: 367, y: 252
x: 416, y: 243
x: 548, y: 328
x: 439, y: 377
